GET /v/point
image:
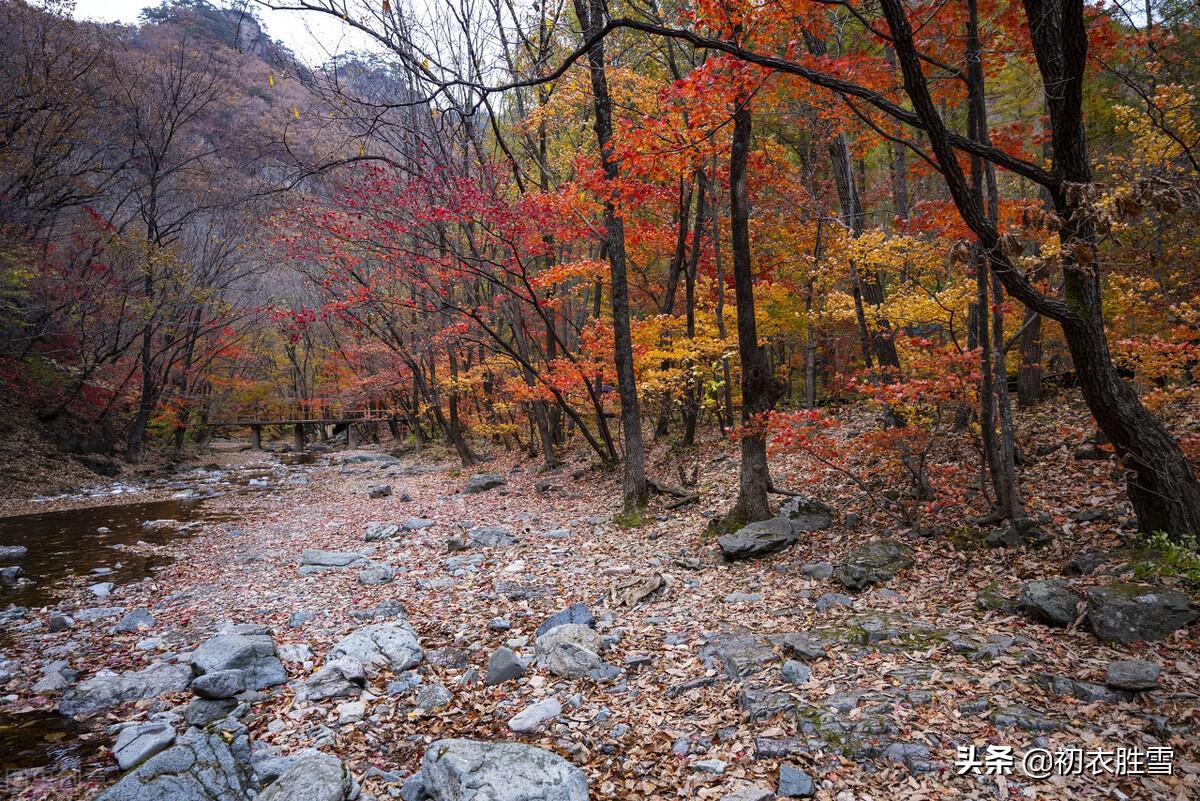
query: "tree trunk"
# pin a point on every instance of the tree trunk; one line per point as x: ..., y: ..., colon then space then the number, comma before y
x: 635, y: 491
x: 1029, y: 372
x: 1162, y: 487
x: 760, y: 390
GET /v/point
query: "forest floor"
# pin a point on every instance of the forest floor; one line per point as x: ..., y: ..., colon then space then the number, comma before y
x: 910, y: 671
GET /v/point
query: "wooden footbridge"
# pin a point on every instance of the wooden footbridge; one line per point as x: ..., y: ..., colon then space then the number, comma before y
x: 299, y: 419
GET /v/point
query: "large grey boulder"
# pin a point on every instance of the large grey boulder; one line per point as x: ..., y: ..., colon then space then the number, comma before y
x: 482, y: 482
x: 135, y: 744
x: 470, y: 770
x: 109, y: 689
x: 874, y: 563
x: 491, y: 536
x: 759, y: 539
x: 572, y: 651
x: 382, y: 645
x: 314, y: 777
x: 201, y: 766
x: 247, y: 648
x: 1049, y: 601
x: 1130, y: 612
x: 806, y: 514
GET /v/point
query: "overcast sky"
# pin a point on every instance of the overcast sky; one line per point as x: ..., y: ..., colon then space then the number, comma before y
x: 313, y: 37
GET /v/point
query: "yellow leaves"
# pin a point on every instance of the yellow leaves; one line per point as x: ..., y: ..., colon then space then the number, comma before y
x: 271, y: 79
x: 295, y: 112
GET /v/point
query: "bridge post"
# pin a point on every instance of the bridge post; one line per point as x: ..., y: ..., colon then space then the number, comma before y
x: 256, y: 438
x: 351, y: 436
x: 299, y: 437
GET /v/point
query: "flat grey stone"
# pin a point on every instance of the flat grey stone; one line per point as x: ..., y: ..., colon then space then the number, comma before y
x: 317, y: 777
x: 136, y: 744
x: 201, y: 766
x: 1127, y: 613
x: 1132, y: 674
x: 482, y: 482
x: 105, y: 690
x: 759, y: 539
x: 579, y: 614
x: 874, y: 563
x: 459, y: 770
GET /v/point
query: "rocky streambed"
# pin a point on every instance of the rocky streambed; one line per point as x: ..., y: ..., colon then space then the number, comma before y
x: 371, y: 627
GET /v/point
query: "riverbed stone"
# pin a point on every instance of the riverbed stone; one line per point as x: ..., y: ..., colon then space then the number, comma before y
x: 379, y: 491
x: 491, y: 536
x: 101, y: 589
x: 107, y: 689
x: 482, y: 482
x: 314, y: 777
x: 759, y: 539
x: 252, y: 652
x: 431, y: 698
x: 1127, y: 613
x: 219, y: 684
x: 203, y: 711
x: 9, y: 553
x: 417, y: 524
x: 794, y: 782
x: 1132, y: 674
x: 504, y: 665
x: 376, y: 573
x: 532, y: 717
x: 135, y: 744
x: 572, y: 651
x: 1049, y: 601
x: 138, y: 620
x: 381, y: 531
x: 873, y: 563
x: 579, y: 614
x: 456, y: 770
x: 339, y: 678
x: 382, y: 645
x: 200, y: 766
x: 317, y: 558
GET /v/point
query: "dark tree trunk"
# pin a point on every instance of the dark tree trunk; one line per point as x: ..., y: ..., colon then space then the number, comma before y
x: 635, y: 492
x: 760, y: 389
x: 1029, y: 372
x: 1162, y: 487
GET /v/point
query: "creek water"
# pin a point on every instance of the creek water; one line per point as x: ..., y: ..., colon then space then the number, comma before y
x: 100, y: 544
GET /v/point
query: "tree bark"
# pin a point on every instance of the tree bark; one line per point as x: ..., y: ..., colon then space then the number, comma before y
x: 635, y: 491
x: 760, y: 389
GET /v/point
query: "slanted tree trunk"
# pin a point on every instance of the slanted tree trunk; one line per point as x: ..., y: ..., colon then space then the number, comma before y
x: 635, y: 491
x: 760, y: 389
x: 1162, y: 487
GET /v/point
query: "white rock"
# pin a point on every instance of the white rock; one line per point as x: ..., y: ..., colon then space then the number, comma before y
x: 532, y: 717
